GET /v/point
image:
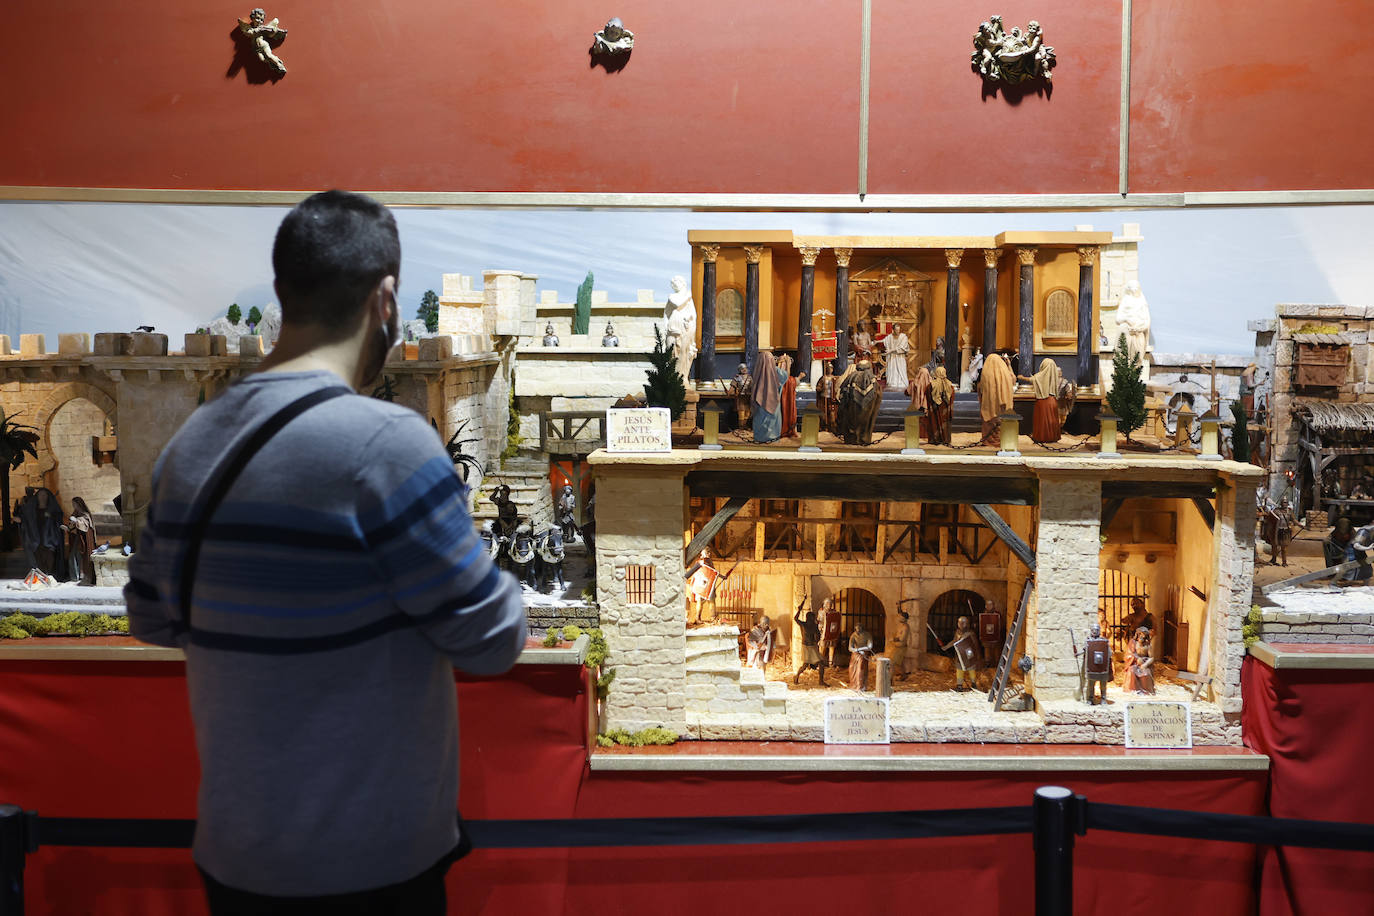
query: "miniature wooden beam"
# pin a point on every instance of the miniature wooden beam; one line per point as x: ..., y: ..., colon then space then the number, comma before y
x: 1109, y: 509
x: 712, y: 528
x: 1205, y: 509
x: 864, y: 487
x: 1312, y: 576
x: 1003, y: 530
x: 1156, y: 489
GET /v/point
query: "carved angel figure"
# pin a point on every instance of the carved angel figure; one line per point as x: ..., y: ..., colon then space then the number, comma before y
x: 613, y: 39
x: 262, y: 34
x: 1014, y: 57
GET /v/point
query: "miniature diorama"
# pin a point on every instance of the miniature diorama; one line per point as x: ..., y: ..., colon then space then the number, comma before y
x: 888, y: 474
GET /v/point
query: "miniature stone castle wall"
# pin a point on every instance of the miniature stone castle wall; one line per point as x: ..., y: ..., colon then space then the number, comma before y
x: 1357, y: 325
x: 147, y: 398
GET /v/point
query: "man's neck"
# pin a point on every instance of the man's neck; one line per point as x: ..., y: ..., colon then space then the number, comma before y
x: 299, y: 350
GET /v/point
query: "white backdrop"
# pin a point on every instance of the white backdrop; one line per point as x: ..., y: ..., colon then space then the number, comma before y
x: 112, y: 267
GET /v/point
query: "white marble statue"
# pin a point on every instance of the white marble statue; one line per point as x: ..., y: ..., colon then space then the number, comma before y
x: 681, y: 314
x: 1133, y: 320
x: 898, y: 346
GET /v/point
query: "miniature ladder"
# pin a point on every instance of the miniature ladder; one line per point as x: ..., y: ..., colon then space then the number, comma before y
x: 999, y: 683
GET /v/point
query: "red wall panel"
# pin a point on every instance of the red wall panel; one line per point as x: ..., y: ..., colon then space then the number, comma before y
x: 935, y: 131
x: 412, y: 95
x: 1231, y: 95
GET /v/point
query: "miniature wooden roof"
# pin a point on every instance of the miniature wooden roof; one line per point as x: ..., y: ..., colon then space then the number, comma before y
x: 1326, y: 417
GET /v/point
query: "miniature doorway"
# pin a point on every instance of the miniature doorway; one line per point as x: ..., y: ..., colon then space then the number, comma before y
x: 80, y: 468
x: 858, y: 605
x: 945, y: 612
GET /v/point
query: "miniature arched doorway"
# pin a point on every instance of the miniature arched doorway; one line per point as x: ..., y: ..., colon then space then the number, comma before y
x: 858, y: 605
x: 1115, y: 590
x: 945, y: 612
x: 81, y: 467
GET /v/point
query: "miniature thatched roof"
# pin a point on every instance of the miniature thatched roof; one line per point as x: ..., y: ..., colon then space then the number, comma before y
x: 1337, y: 339
x: 1326, y: 417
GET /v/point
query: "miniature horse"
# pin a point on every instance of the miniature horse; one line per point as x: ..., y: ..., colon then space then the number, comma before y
x: 520, y: 556
x: 550, y: 562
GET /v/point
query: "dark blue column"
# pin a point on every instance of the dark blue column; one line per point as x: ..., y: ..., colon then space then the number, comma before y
x: 842, y: 256
x: 1087, y: 371
x: 990, y: 299
x: 706, y: 361
x: 752, y: 255
x: 1027, y: 302
x: 952, y: 258
x: 808, y: 292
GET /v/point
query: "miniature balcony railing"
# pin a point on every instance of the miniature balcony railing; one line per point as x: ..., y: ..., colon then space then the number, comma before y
x: 572, y: 432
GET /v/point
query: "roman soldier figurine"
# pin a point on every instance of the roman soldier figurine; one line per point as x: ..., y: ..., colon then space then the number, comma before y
x: 702, y: 579
x: 827, y: 390
x: 1096, y: 666
x: 965, y: 646
x: 990, y: 631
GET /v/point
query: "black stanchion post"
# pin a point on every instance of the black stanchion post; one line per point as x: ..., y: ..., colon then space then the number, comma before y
x: 12, y: 846
x: 1053, y: 830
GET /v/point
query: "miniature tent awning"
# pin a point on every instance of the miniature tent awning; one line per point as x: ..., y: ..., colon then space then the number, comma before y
x: 1327, y: 417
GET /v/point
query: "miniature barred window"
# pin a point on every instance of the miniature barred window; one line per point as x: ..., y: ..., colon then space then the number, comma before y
x: 639, y: 584
x: 944, y: 616
x: 1061, y: 314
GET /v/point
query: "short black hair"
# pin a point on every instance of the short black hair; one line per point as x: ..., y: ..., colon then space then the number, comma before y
x: 331, y: 250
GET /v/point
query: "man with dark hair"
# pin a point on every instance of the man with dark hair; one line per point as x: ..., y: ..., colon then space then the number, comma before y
x: 323, y: 606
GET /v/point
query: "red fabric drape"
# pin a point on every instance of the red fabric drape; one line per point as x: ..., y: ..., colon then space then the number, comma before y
x: 1312, y: 725
x: 113, y: 739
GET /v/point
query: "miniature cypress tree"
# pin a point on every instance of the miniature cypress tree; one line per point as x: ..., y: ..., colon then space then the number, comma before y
x: 1240, y: 433
x: 582, y: 314
x: 665, y: 387
x: 254, y: 316
x: 429, y: 311
x: 1127, y: 397
x: 235, y: 314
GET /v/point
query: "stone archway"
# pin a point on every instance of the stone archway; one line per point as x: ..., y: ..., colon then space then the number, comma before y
x: 945, y: 612
x: 861, y: 605
x: 55, y: 401
x: 71, y: 414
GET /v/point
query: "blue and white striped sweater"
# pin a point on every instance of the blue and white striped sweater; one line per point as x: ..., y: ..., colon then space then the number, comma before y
x: 337, y: 584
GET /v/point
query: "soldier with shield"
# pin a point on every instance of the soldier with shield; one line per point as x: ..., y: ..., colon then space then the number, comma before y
x: 965, y: 646
x: 702, y: 579
x: 1096, y: 666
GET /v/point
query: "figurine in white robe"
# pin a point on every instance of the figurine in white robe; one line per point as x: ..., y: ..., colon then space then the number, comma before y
x: 897, y: 345
x: 682, y: 326
x: 1133, y: 320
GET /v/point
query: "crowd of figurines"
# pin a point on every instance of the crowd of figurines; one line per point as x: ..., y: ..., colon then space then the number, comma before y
x: 765, y: 396
x: 975, y: 645
x: 536, y: 558
x: 58, y: 546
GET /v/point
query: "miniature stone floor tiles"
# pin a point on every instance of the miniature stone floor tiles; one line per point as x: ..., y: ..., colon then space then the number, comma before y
x: 950, y: 717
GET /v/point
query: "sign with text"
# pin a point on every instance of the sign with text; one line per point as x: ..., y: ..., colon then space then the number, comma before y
x: 639, y: 429
x: 857, y: 720
x: 1158, y: 724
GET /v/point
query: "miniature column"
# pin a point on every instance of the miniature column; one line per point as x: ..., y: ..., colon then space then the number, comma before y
x: 1087, y: 372
x: 752, y: 255
x: 842, y: 256
x: 808, y: 287
x: 952, y: 258
x: 990, y: 256
x: 1066, y: 581
x: 706, y: 366
x: 1026, y: 357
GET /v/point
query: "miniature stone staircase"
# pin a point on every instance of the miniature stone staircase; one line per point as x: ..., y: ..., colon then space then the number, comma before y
x: 528, y: 479
x: 717, y: 684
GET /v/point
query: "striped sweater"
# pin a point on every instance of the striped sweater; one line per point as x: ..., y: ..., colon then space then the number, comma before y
x: 338, y: 584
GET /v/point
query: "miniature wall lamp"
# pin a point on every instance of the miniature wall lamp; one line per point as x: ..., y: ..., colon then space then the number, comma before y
x: 1211, y: 424
x: 811, y: 430
x: 710, y: 423
x: 1108, y: 423
x: 912, y: 419
x: 1011, y: 428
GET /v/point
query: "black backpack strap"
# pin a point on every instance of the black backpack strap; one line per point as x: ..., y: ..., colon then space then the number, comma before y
x: 222, y: 479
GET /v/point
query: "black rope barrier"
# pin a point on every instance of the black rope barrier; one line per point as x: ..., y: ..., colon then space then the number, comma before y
x: 1054, y: 819
x: 1230, y: 828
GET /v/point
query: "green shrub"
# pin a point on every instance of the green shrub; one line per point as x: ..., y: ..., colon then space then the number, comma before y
x: 571, y: 632
x: 26, y: 622
x: 1252, y: 630
x: 10, y: 631
x: 551, y: 638
x: 651, y: 735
